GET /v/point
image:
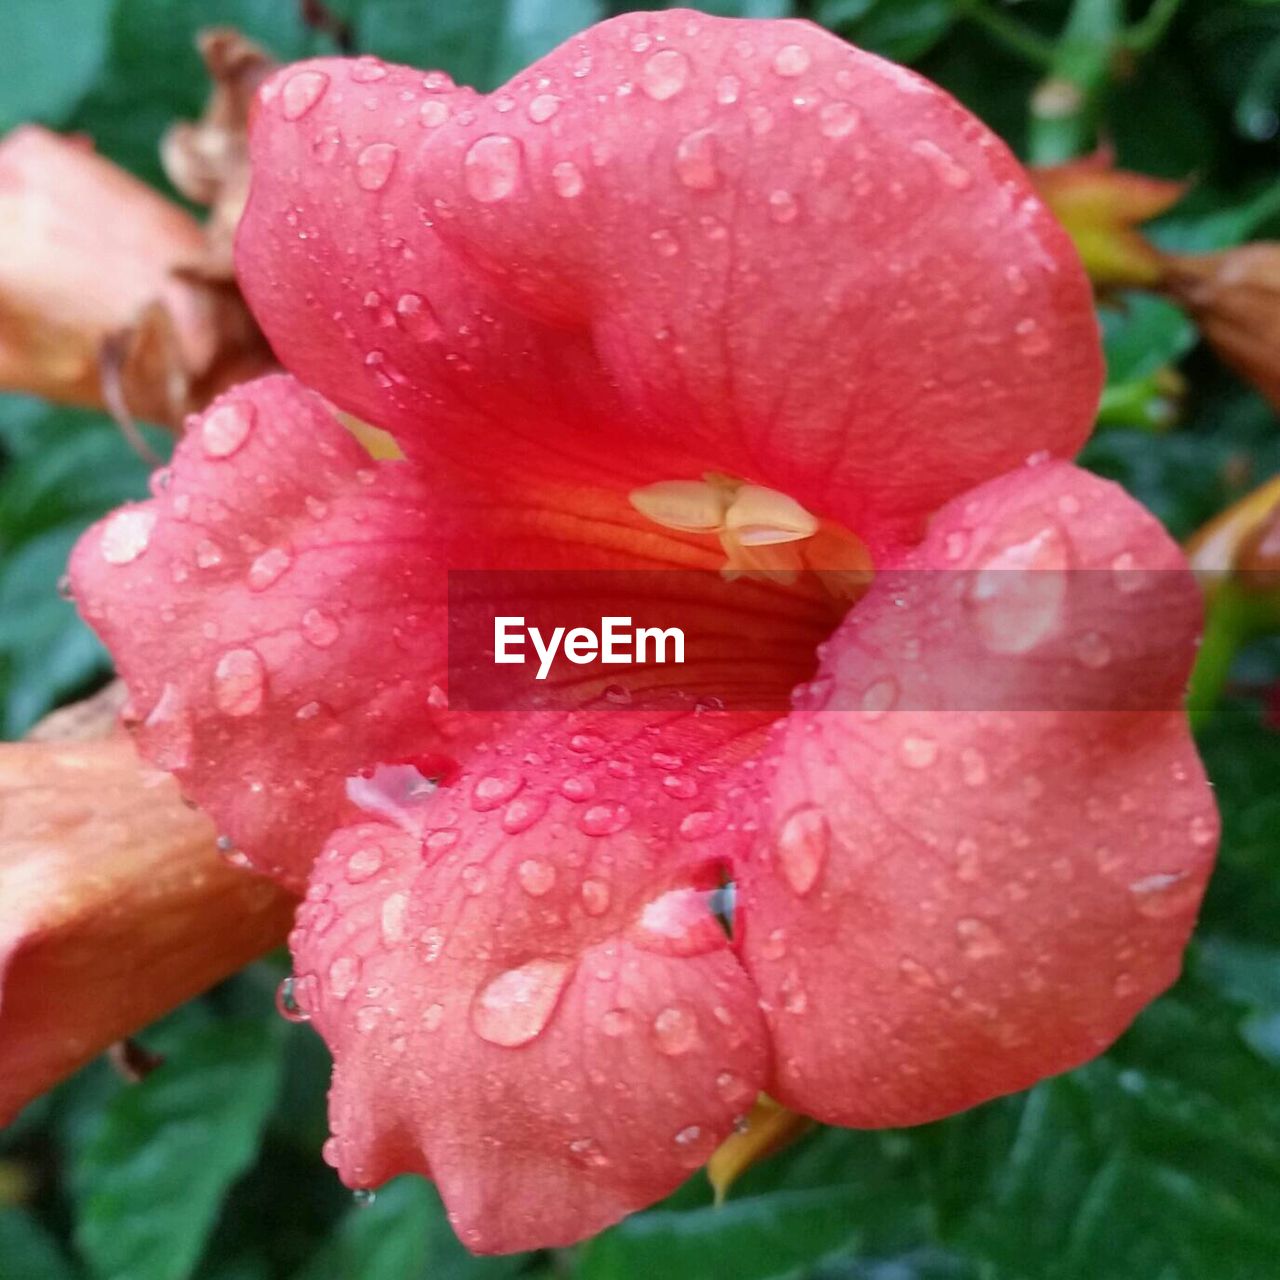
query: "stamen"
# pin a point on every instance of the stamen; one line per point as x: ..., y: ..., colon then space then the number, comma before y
x: 760, y: 517
x: 693, y: 506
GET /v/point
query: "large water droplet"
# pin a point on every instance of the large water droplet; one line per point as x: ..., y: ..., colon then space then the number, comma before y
x: 595, y: 897
x: 433, y: 113
x: 665, y: 74
x: 491, y: 167
x: 320, y: 628
x: 343, y: 973
x: 494, y: 789
x: 804, y: 841
x: 268, y: 567
x: 695, y: 160
x: 226, y: 428
x: 543, y: 107
x: 918, y: 752
x: 604, y: 819
x: 414, y: 316
x: 375, y: 164
x: 301, y: 92
x: 393, y: 918
x: 675, y: 1030
x: 791, y: 60
x: 517, y: 1005
x: 838, y: 120
x: 127, y: 535
x: 287, y: 1002
x: 879, y: 697
x: 1163, y: 895
x: 239, y: 682
x: 1016, y: 598
x: 566, y: 178
x: 536, y: 877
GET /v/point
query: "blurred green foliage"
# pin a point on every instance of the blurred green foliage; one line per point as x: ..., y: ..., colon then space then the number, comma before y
x: 1160, y: 1160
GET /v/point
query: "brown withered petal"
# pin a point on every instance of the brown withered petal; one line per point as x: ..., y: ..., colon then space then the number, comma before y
x: 1234, y: 297
x: 208, y: 160
x: 84, y: 247
x: 114, y: 907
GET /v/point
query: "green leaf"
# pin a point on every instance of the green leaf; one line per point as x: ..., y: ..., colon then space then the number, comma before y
x: 149, y: 1181
x: 402, y: 1235
x: 748, y: 1239
x: 28, y: 1251
x: 55, y: 50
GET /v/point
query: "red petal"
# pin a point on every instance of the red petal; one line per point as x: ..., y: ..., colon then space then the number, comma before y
x: 953, y: 903
x: 535, y: 1001
x: 740, y: 246
x: 277, y: 612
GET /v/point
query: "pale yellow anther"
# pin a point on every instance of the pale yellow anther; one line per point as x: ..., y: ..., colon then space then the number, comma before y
x: 693, y: 506
x: 760, y: 517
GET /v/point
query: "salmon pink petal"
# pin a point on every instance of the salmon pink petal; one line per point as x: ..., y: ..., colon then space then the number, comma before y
x: 277, y: 612
x: 987, y: 833
x: 533, y: 1002
x: 106, y: 878
x: 650, y: 236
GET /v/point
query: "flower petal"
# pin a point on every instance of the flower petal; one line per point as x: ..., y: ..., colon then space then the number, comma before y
x: 744, y: 246
x: 533, y: 1001
x: 107, y: 879
x: 277, y: 613
x: 975, y: 872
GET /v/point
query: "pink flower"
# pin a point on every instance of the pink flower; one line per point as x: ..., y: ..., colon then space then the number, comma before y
x: 678, y: 247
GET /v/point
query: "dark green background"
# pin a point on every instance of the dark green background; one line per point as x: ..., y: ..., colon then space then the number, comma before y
x: 1160, y: 1161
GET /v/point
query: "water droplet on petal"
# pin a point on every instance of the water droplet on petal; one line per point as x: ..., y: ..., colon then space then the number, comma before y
x: 838, y: 119
x: 665, y: 74
x: 782, y: 206
x: 695, y: 160
x: 675, y: 1030
x: 287, y: 1002
x: 516, y: 1006
x: 268, y: 567
x: 879, y: 697
x: 1161, y: 896
x: 522, y: 813
x: 226, y: 428
x: 803, y: 843
x: 301, y: 92
x: 495, y: 789
x: 977, y: 939
x: 1093, y: 650
x: 368, y: 70
x: 491, y: 167
x: 543, y: 107
x: 415, y: 317
x: 363, y: 1197
x: 1016, y: 598
x: 319, y: 628
x: 536, y: 877
x: 616, y: 1022
x: 343, y: 973
x: 578, y: 788
x: 566, y: 178
x: 127, y: 535
x: 918, y: 752
x: 595, y: 897
x: 791, y: 60
x: 239, y: 682
x: 374, y: 165
x: 588, y: 1153
x: 950, y: 170
x: 604, y: 819
x: 434, y: 112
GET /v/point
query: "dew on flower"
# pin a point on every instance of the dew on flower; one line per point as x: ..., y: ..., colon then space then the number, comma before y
x: 537, y: 878
x: 226, y: 428
x: 433, y: 113
x: 522, y: 813
x: 791, y: 60
x: 782, y: 206
x: 1016, y: 597
x: 604, y: 819
x: 1165, y: 894
x: 595, y: 896
x: 495, y: 789
x: 838, y: 119
x: 665, y: 74
x: 415, y: 317
x: 287, y: 1001
x: 375, y: 164
x: 239, y: 682
x: 977, y: 939
x: 319, y: 628
x: 515, y: 1007
x: 695, y: 160
x: 947, y: 168
x: 803, y: 845
x: 675, y: 1030
x: 127, y: 535
x: 918, y: 752
x: 1093, y: 650
x: 543, y: 107
x: 567, y: 179
x: 301, y: 92
x: 492, y: 167
x: 268, y: 567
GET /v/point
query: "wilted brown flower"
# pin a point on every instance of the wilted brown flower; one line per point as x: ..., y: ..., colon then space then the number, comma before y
x: 1234, y: 296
